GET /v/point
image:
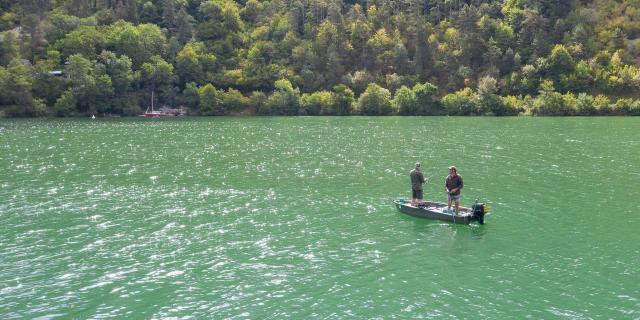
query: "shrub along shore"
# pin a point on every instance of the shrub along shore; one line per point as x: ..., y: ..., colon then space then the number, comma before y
x: 421, y: 100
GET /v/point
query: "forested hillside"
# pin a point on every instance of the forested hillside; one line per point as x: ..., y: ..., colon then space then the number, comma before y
x: 320, y: 57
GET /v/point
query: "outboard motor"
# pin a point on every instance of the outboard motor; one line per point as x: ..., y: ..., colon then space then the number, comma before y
x: 479, y: 210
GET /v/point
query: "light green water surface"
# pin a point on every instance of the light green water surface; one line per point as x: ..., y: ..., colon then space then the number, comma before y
x: 292, y: 218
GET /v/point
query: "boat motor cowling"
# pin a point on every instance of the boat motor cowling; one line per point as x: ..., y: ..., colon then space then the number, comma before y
x: 479, y: 210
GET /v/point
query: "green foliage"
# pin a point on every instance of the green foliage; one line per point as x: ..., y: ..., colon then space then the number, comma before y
x: 61, y: 23
x: 560, y: 61
x: 65, y: 105
x: 626, y: 107
x: 529, y: 80
x: 190, y: 96
x: 210, y: 100
x: 585, y: 105
x: 16, y: 82
x: 118, y: 69
x: 7, y: 20
x: 150, y: 13
x: 104, y: 93
x: 86, y: 41
x: 461, y: 103
x: 219, y: 18
x: 80, y: 71
x: 285, y: 100
x: 570, y: 103
x: 91, y: 86
x: 139, y: 43
x: 375, y: 101
x: 520, y: 57
x: 20, y: 76
x: 9, y: 47
x: 405, y: 101
x: 489, y: 102
x: 342, y: 101
x: 157, y: 72
x: 259, y: 71
x: 234, y: 102
x: 549, y: 102
x: 47, y: 87
x: 603, y: 105
x: 315, y: 103
x: 187, y: 61
x: 380, y: 46
x: 426, y: 100
x: 193, y: 63
x: 33, y: 108
x: 559, y: 67
x: 359, y: 81
x: 258, y: 102
x: 251, y: 11
x: 4, y: 79
x: 512, y: 105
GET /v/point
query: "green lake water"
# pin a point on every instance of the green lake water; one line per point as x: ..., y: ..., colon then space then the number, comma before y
x: 292, y: 218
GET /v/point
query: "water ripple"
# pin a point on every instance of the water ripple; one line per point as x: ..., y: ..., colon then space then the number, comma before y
x: 291, y: 218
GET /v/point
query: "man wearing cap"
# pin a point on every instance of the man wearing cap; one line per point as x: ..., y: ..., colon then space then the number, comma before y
x: 452, y: 184
x: 417, y: 179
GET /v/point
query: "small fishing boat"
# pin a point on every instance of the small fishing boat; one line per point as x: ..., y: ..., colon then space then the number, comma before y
x: 438, y: 211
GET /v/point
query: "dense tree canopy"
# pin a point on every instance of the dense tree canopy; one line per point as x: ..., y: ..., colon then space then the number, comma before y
x: 312, y: 57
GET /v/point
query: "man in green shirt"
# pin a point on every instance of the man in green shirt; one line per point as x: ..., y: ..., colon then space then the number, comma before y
x: 417, y: 179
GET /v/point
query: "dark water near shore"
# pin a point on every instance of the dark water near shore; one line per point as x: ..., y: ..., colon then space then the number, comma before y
x: 292, y: 218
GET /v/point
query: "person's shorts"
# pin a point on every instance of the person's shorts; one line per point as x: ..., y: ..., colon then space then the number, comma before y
x: 455, y: 198
x: 417, y: 194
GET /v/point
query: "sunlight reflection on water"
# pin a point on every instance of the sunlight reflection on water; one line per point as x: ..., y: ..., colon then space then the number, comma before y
x: 292, y: 218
